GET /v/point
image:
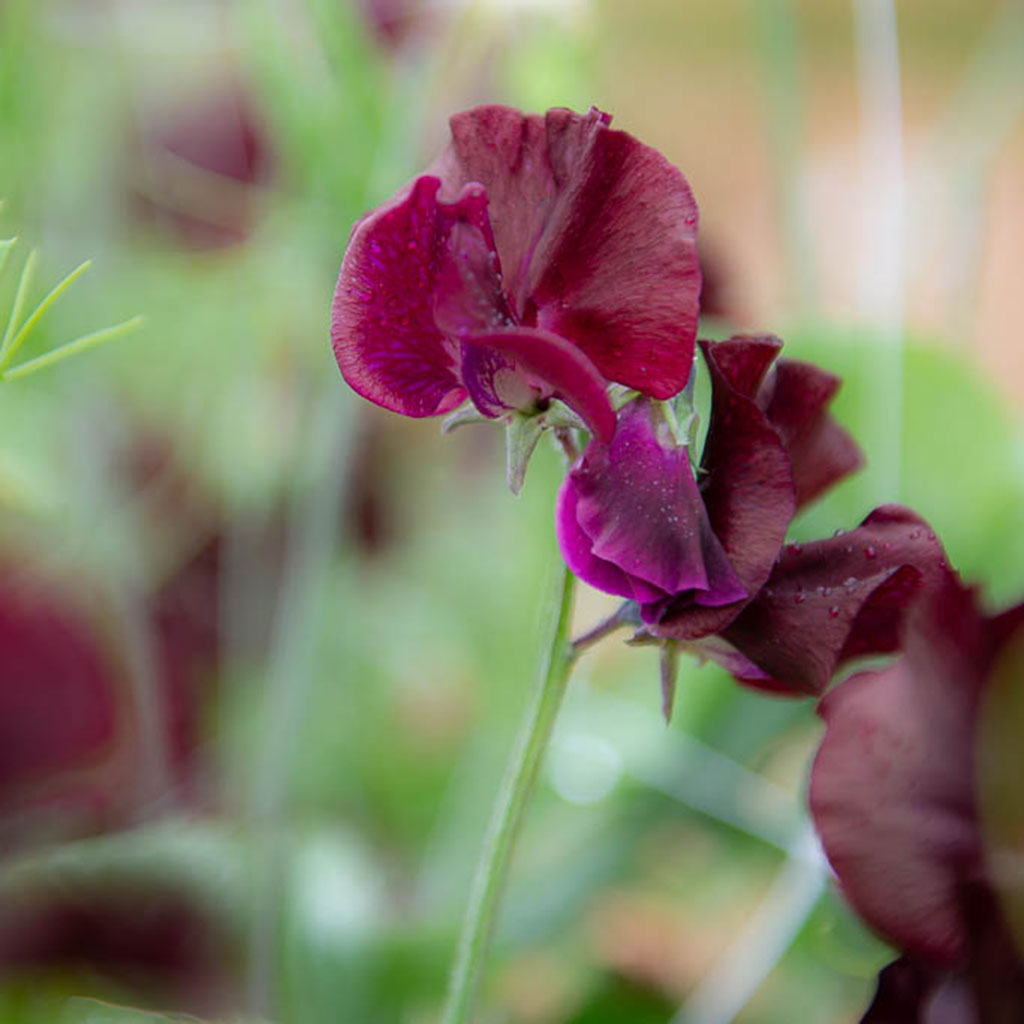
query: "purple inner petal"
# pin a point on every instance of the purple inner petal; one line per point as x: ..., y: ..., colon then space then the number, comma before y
x: 639, y: 505
x: 528, y: 364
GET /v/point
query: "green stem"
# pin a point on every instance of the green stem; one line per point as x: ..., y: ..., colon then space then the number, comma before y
x: 507, y: 818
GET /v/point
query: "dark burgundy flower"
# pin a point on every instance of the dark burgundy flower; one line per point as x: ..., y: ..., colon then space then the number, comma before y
x: 894, y: 796
x: 542, y: 257
x: 702, y: 554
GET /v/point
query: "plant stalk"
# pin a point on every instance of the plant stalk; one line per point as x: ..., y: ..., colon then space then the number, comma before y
x: 517, y: 788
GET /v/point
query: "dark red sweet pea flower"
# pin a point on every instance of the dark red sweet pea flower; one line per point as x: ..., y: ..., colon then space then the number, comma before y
x: 894, y: 795
x: 543, y: 257
x: 695, y: 551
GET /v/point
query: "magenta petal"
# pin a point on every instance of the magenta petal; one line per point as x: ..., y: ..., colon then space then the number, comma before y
x: 546, y: 364
x: 640, y: 507
x: 837, y: 598
x: 576, y: 547
x: 796, y: 400
x: 892, y: 788
x: 596, y: 233
x: 385, y: 340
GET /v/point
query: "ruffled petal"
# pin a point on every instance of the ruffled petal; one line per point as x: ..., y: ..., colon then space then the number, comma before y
x: 596, y: 233
x: 796, y: 398
x: 638, y: 504
x: 838, y: 598
x: 892, y: 787
x: 385, y: 339
x: 617, y: 269
x: 747, y: 485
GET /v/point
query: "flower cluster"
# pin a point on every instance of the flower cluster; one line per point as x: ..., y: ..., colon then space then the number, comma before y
x: 543, y: 260
x: 545, y: 272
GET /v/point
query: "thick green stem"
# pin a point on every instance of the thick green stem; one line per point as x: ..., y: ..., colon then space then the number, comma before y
x: 509, y: 810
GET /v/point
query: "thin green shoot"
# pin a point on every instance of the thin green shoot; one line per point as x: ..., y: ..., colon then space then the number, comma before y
x: 82, y: 344
x: 8, y: 352
x: 19, y: 301
x: 6, y: 245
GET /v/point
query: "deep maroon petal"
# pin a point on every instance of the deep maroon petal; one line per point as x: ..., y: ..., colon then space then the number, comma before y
x: 506, y: 151
x: 892, y: 787
x: 639, y: 505
x: 796, y: 398
x: 597, y: 236
x: 906, y: 987
x: 385, y: 339
x: 837, y: 598
x: 746, y: 481
x: 525, y: 364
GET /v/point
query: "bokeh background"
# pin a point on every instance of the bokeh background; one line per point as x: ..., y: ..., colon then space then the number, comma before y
x: 263, y: 647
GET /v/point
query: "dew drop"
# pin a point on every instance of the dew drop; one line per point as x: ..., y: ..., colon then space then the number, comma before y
x: 870, y: 552
x: 914, y: 534
x: 838, y: 533
x: 850, y: 581
x: 799, y: 598
x: 833, y: 612
x: 931, y: 536
x: 796, y: 549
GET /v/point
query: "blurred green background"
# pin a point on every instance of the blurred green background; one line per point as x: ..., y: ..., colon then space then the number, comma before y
x: 278, y: 640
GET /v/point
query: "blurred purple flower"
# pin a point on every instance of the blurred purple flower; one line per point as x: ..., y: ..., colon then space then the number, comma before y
x: 542, y: 257
x: 196, y: 167
x: 62, y: 710
x: 894, y: 797
x: 155, y: 937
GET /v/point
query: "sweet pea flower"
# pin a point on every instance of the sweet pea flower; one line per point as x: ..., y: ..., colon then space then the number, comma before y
x: 540, y: 258
x: 896, y: 797
x: 703, y: 555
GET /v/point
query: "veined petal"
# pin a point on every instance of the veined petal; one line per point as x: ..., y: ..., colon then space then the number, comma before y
x: 638, y: 504
x: 597, y: 236
x: 515, y: 366
x: 387, y: 344
x: 834, y: 599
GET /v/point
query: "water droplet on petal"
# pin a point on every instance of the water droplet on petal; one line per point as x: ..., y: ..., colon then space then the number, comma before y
x: 799, y: 598
x: 870, y: 552
x: 833, y: 612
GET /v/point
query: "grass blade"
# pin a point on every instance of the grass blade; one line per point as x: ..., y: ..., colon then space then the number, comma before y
x: 7, y: 354
x: 19, y: 301
x: 82, y: 344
